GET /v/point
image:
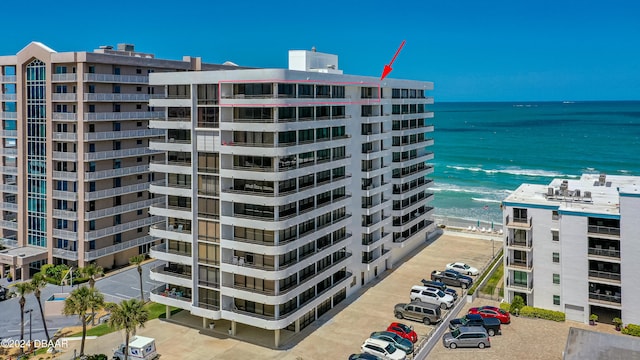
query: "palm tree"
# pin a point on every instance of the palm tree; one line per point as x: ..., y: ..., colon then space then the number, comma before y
x: 137, y: 260
x: 128, y: 315
x: 92, y: 271
x: 22, y: 289
x: 37, y: 284
x: 79, y: 302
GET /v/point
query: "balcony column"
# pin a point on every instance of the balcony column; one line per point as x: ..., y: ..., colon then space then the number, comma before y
x: 232, y: 328
x: 297, y: 325
x: 276, y: 339
x: 167, y: 311
x: 204, y: 322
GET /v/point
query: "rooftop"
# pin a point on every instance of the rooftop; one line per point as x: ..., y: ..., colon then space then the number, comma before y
x: 586, y: 344
x: 594, y: 193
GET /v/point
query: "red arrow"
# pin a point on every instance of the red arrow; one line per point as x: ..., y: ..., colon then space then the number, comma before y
x: 387, y: 68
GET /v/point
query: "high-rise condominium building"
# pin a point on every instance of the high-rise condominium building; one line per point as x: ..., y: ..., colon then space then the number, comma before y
x: 286, y: 189
x: 572, y: 246
x: 75, y: 155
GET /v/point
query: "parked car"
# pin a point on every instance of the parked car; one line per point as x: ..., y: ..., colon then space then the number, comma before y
x: 492, y: 325
x: 383, y: 349
x: 431, y: 296
x: 440, y: 286
x: 398, y: 341
x: 462, y: 268
x: 492, y: 312
x: 452, y: 277
x: 474, y: 336
x: 4, y: 293
x: 403, y: 330
x: 363, y: 356
x: 418, y: 311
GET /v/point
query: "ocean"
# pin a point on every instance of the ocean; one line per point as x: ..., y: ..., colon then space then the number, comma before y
x: 484, y: 151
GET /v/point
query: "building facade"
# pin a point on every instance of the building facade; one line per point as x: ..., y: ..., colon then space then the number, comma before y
x: 286, y: 189
x: 572, y: 246
x: 75, y: 155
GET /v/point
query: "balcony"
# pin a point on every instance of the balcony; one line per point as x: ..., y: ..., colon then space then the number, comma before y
x: 170, y: 167
x: 526, y: 286
x: 7, y: 78
x: 121, y: 209
x: 165, y: 231
x: 65, y: 136
x: 526, y: 264
x: 111, y: 116
x: 111, y: 173
x: 607, y: 298
x: 72, y: 77
x: 107, y: 193
x: 604, y: 275
x: 171, y: 297
x: 65, y: 254
x: 118, y: 154
x: 612, y: 252
x: 519, y: 223
x: 519, y: 243
x: 171, y: 274
x: 8, y: 97
x: 110, y: 250
x: 127, y: 134
x: 109, y: 78
x: 9, y: 115
x: 61, y: 97
x: 112, y: 230
x: 180, y: 212
x: 161, y: 252
x: 65, y: 156
x: 604, y: 230
x: 116, y: 97
x: 171, y: 145
x: 65, y: 116
x: 9, y: 133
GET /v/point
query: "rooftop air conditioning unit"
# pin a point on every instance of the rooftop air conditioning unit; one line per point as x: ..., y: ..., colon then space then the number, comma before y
x: 550, y: 191
x: 587, y: 194
x: 576, y: 193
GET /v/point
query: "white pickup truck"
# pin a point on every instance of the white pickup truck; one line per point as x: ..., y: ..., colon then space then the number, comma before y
x: 140, y: 348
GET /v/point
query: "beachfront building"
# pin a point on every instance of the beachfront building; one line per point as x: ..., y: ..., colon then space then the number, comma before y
x: 75, y: 155
x: 572, y: 246
x: 286, y: 190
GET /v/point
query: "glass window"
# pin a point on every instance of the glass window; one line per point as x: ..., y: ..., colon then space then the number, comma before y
x: 556, y: 257
x: 556, y: 299
x: 556, y: 278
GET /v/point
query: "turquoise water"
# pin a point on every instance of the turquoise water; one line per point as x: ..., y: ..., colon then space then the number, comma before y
x: 484, y: 151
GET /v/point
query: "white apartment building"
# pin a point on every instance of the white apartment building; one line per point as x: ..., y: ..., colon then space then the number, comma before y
x: 286, y: 189
x: 572, y: 246
x: 75, y: 155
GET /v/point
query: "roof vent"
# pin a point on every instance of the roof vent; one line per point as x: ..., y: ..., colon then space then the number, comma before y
x: 550, y: 191
x: 313, y: 48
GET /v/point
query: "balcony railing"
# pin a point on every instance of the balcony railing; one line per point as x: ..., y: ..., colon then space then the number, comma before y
x: 528, y: 285
x: 127, y: 134
x: 607, y: 230
x: 605, y: 252
x: 111, y: 173
x: 111, y: 230
x: 604, y: 275
x: 110, y: 250
x: 72, y: 77
x: 116, y: 154
x: 132, y: 79
x: 110, y: 116
x: 116, y: 97
x: 163, y: 269
x: 519, y: 243
x: 614, y: 298
x: 520, y: 263
x: 162, y: 291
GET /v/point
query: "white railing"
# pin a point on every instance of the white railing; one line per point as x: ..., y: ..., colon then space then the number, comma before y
x: 114, y: 154
x: 65, y: 116
x: 94, y: 254
x: 9, y: 115
x: 8, y: 78
x: 65, y: 234
x: 8, y: 206
x: 94, y: 195
x: 8, y: 97
x: 9, y: 151
x: 92, y: 215
x: 65, y: 175
x: 109, y: 135
x: 108, y: 116
x: 105, y: 174
x: 9, y: 170
x: 65, y: 156
x: 11, y: 225
x: 9, y: 188
x: 136, y: 79
x: 65, y: 136
x: 65, y: 254
x: 64, y: 77
x: 65, y: 195
x: 9, y: 133
x: 64, y: 96
x: 9, y: 242
x: 96, y: 234
x: 65, y: 214
x: 116, y: 97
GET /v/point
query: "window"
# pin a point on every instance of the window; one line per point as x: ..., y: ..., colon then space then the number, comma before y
x: 92, y: 108
x: 556, y: 257
x: 92, y: 89
x: 556, y: 299
x: 92, y: 69
x: 92, y: 225
x: 139, y: 212
x: 555, y: 235
x: 555, y: 215
x: 556, y: 278
x: 116, y: 89
x: 92, y: 148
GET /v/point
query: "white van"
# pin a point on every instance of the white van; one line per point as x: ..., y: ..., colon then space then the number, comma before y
x: 432, y: 296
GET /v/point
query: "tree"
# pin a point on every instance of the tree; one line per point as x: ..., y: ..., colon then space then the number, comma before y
x: 92, y: 271
x: 137, y: 260
x: 128, y: 315
x: 79, y: 302
x: 22, y: 289
x: 516, y: 304
x: 38, y: 283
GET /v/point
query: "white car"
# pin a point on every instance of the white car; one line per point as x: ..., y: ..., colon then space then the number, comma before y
x: 431, y: 296
x: 462, y: 268
x: 383, y: 349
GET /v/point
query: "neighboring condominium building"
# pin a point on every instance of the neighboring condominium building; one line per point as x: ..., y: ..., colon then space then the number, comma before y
x: 572, y: 246
x: 75, y: 155
x: 286, y: 190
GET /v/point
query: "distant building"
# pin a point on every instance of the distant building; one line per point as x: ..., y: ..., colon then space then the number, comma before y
x: 572, y: 246
x: 76, y: 153
x: 286, y: 189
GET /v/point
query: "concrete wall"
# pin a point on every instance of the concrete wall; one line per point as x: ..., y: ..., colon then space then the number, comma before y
x: 629, y: 255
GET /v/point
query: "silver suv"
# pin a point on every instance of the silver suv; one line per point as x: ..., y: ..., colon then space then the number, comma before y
x: 473, y: 336
x: 418, y: 311
x: 432, y: 296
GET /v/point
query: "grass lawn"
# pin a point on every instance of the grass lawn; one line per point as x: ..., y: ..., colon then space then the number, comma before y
x: 493, y: 281
x: 155, y: 311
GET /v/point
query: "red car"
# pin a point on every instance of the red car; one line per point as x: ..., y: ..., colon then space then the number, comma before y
x: 404, y: 331
x: 492, y: 312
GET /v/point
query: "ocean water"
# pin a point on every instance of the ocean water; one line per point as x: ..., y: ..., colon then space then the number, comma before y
x: 484, y: 151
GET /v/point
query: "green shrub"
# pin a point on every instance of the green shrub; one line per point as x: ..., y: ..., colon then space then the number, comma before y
x: 532, y: 312
x: 516, y: 304
x: 631, y: 329
x: 505, y: 306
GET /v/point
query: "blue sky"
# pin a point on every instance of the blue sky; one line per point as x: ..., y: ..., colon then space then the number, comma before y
x: 472, y: 50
